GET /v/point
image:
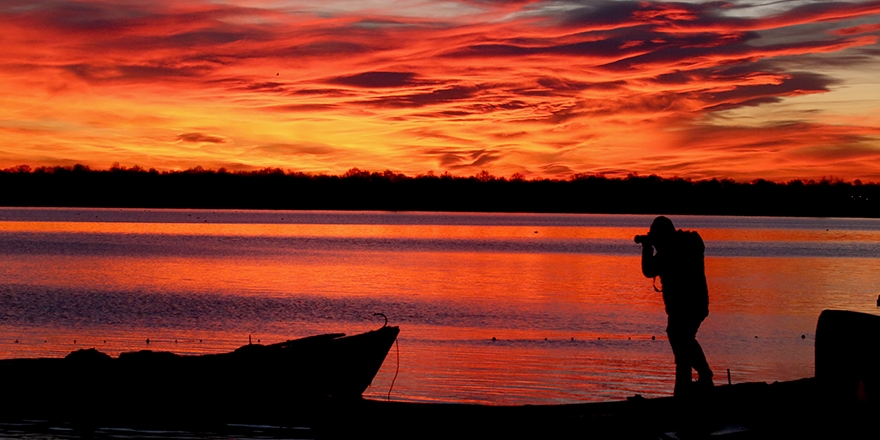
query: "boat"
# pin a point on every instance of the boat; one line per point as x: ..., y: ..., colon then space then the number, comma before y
x: 253, y: 380
x: 841, y: 401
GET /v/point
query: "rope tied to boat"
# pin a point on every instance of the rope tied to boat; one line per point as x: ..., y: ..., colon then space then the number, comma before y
x: 396, y: 370
x: 397, y: 347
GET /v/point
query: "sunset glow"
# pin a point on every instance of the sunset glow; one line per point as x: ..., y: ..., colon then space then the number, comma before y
x: 547, y: 88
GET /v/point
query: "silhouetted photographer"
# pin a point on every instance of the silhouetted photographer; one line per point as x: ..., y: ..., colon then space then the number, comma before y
x: 678, y: 262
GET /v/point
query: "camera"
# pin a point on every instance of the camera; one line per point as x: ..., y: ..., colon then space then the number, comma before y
x: 643, y: 239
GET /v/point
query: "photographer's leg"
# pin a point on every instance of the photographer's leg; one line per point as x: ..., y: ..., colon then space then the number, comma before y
x: 681, y: 339
x: 701, y: 365
x: 699, y: 360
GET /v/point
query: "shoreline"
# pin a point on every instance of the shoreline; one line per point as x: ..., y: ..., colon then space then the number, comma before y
x: 363, y: 191
x: 752, y: 410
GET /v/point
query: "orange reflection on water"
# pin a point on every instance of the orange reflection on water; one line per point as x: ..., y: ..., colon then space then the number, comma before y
x: 808, y: 235
x: 568, y: 326
x: 425, y: 231
x: 763, y: 311
x: 532, y: 372
x: 323, y: 230
x: 792, y: 286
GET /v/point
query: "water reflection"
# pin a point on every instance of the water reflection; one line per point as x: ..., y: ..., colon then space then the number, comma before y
x: 452, y: 284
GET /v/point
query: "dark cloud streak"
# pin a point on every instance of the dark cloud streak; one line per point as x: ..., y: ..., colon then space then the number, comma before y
x: 422, y: 99
x: 377, y: 80
x: 200, y: 138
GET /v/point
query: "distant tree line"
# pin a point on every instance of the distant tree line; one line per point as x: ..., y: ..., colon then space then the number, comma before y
x: 273, y: 188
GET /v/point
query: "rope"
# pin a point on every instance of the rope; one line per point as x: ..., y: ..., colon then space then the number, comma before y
x: 397, y: 370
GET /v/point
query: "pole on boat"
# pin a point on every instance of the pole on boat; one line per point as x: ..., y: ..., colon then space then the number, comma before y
x: 382, y: 315
x: 728, y: 376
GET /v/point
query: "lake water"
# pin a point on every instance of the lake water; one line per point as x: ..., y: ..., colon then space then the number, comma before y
x: 563, y: 296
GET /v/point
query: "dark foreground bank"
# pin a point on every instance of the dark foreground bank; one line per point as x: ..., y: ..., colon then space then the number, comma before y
x: 748, y: 411
x: 842, y: 401
x: 796, y: 409
x: 118, y: 187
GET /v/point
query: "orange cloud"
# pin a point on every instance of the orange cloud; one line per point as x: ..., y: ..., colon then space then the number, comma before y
x: 544, y: 88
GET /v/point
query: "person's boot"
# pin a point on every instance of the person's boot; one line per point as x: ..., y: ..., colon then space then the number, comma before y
x: 704, y: 383
x: 683, y: 380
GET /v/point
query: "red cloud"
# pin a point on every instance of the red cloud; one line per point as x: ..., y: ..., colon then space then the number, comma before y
x: 575, y: 80
x: 855, y: 30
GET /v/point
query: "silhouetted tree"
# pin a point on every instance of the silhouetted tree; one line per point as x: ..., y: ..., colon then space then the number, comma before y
x: 274, y: 188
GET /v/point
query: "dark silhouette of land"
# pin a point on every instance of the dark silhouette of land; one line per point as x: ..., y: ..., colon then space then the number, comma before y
x: 272, y: 188
x: 209, y: 394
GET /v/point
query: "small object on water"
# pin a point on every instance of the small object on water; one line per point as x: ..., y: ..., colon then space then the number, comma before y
x: 74, y: 341
x: 200, y: 340
x: 599, y: 339
x: 756, y: 337
x: 628, y: 338
x: 545, y: 339
x: 653, y: 337
x: 105, y: 341
x: 572, y: 339
x: 148, y: 341
x: 803, y: 336
x: 536, y: 232
x: 16, y: 341
x: 175, y: 341
x: 493, y: 338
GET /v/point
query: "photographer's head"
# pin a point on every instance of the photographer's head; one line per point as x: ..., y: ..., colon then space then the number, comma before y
x: 661, y: 231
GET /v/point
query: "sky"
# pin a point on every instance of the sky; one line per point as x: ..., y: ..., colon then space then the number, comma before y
x: 777, y: 90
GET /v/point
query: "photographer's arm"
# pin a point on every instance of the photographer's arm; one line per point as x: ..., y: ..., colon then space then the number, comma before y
x: 649, y: 268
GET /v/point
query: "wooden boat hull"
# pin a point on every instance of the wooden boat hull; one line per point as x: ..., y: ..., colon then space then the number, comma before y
x: 144, y: 385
